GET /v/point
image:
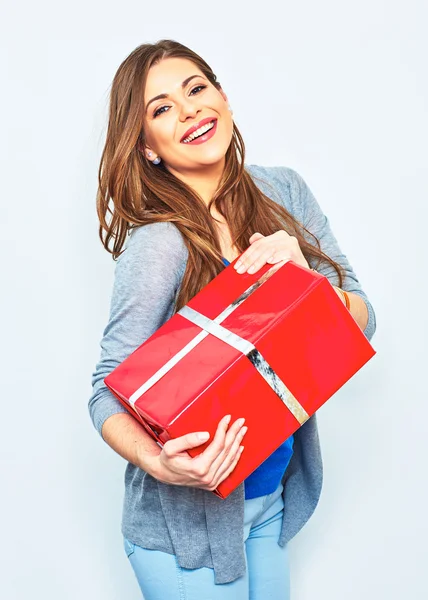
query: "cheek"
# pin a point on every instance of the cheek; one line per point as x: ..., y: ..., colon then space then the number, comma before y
x: 224, y: 112
x: 160, y: 134
x: 227, y: 123
x: 149, y: 135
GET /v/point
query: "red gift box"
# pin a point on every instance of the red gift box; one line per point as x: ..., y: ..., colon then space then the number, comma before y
x: 272, y: 347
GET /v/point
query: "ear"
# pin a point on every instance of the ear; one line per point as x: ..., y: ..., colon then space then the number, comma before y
x: 145, y: 150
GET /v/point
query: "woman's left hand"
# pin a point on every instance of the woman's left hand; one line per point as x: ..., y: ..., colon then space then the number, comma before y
x: 278, y: 247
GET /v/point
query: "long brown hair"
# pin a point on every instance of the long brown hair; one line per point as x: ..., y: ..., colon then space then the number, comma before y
x: 140, y: 192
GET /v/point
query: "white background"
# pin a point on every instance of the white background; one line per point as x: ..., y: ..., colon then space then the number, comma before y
x: 337, y: 91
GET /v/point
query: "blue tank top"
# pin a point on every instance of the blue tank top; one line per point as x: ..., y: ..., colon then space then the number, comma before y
x: 267, y: 477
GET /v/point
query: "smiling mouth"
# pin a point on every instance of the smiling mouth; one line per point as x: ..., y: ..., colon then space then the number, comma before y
x: 200, y: 132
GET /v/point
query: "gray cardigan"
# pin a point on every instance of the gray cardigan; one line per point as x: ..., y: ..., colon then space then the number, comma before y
x: 201, y: 529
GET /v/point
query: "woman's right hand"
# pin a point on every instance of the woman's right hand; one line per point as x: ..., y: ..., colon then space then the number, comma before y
x: 207, y: 470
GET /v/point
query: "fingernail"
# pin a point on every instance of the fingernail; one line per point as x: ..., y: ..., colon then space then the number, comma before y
x: 203, y: 436
x: 241, y: 422
x: 238, y: 264
x: 241, y: 448
x: 244, y: 431
x: 227, y: 419
x: 251, y: 269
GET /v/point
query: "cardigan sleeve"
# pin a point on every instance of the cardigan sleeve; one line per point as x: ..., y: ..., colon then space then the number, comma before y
x: 146, y: 278
x: 318, y: 223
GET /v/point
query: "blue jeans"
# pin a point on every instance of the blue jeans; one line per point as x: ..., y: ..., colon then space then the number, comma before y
x: 267, y: 575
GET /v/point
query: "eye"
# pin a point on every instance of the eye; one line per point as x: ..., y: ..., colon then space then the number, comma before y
x: 199, y: 86
x: 159, y: 110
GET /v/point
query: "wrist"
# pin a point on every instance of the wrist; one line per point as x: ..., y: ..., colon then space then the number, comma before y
x: 149, y: 462
x: 339, y: 293
x: 343, y: 296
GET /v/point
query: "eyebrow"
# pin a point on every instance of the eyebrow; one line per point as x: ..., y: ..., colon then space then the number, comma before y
x: 160, y: 96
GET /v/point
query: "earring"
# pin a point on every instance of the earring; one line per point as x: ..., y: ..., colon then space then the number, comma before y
x: 156, y: 161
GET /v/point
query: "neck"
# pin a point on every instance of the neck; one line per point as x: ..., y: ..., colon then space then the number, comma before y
x: 204, y: 182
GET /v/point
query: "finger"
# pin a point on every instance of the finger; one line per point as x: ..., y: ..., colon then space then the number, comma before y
x: 223, y: 462
x: 275, y: 257
x: 255, y: 236
x: 259, y: 261
x: 225, y: 475
x: 233, y: 439
x: 249, y: 252
x: 217, y: 445
x: 243, y: 260
x: 182, y: 443
x: 251, y: 255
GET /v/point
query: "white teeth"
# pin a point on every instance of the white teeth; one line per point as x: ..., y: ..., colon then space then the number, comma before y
x: 199, y: 132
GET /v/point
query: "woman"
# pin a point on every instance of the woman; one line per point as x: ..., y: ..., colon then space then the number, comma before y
x: 173, y: 177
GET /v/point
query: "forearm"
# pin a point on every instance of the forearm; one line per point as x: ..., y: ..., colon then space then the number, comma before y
x: 129, y: 439
x: 358, y: 307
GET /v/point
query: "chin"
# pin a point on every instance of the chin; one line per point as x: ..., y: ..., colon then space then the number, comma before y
x: 211, y: 157
x: 202, y: 157
x: 212, y: 160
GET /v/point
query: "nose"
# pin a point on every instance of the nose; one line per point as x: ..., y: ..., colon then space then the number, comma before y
x: 189, y: 109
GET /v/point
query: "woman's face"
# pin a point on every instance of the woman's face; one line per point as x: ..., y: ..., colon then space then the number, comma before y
x: 191, y: 99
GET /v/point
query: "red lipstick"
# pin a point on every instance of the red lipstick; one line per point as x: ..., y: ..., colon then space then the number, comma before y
x: 203, y: 137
